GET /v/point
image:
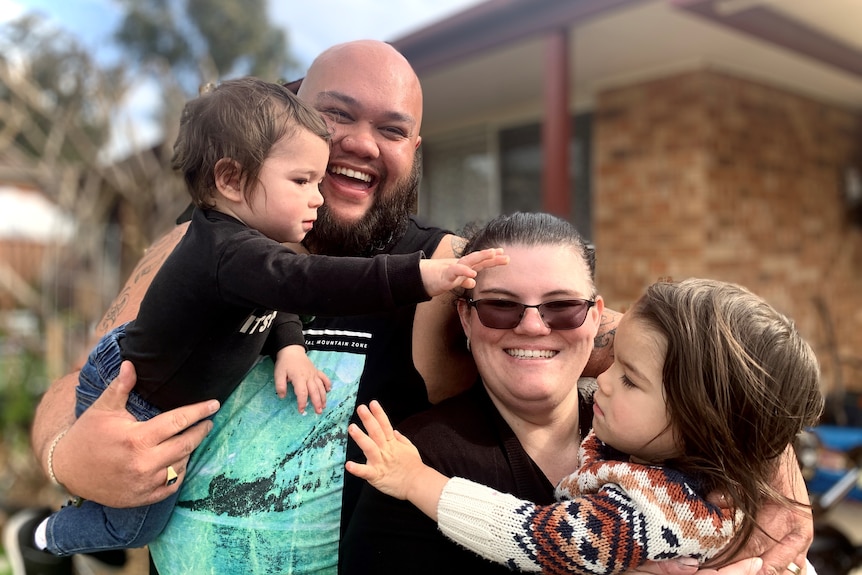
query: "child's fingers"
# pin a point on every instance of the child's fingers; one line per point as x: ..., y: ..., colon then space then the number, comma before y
x: 483, y: 259
x: 465, y: 269
x: 368, y: 447
x: 377, y: 428
x: 372, y: 428
x: 498, y: 260
x: 280, y: 375
x: 475, y: 258
x: 468, y: 283
x: 456, y: 274
x: 327, y: 385
x: 317, y: 394
x: 382, y: 419
x: 280, y: 387
x: 357, y: 469
x: 301, y: 391
x: 461, y: 270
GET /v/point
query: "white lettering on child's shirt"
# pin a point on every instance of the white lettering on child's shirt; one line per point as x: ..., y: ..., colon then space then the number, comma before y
x: 258, y: 323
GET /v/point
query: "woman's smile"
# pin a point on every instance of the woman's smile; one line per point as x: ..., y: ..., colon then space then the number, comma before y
x: 519, y: 353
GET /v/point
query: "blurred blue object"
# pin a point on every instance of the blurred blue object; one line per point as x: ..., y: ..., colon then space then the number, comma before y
x: 835, y: 438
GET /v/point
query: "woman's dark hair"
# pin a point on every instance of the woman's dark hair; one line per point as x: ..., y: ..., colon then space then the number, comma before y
x: 740, y: 383
x: 240, y: 120
x: 528, y: 229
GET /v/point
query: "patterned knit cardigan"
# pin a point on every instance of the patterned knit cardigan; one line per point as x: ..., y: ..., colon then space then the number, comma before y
x: 612, y: 516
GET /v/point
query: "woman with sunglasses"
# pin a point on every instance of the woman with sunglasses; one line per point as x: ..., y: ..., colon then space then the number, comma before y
x: 530, y: 326
x: 709, y: 386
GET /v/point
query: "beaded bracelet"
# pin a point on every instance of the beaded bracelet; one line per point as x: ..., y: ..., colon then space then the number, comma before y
x: 51, y: 456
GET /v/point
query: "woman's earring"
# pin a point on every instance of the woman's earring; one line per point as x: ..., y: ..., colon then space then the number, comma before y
x: 468, y: 344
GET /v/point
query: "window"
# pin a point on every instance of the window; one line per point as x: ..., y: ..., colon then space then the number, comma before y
x: 462, y: 182
x: 458, y: 185
x: 521, y: 170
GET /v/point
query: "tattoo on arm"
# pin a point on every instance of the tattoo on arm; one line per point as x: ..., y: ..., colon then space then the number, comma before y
x: 117, y: 306
x: 458, y: 245
x: 154, y: 257
x: 149, y: 264
x: 605, y: 337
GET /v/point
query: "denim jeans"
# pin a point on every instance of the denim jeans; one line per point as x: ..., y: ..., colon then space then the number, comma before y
x: 93, y: 527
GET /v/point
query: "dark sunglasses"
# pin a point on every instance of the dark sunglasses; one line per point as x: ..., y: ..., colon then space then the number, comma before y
x: 507, y: 314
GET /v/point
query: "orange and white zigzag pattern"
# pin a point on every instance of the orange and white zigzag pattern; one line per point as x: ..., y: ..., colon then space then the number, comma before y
x: 615, y: 515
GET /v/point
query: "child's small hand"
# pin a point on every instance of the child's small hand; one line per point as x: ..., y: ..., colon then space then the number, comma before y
x: 391, y: 457
x: 393, y: 464
x: 291, y: 364
x: 444, y: 274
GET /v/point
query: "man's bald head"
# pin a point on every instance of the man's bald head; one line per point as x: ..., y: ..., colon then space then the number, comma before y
x: 377, y: 63
x: 372, y: 101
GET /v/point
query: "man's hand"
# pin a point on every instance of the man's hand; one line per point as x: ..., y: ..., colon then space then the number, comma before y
x: 789, y: 533
x: 110, y: 458
x: 792, y: 528
x: 689, y: 566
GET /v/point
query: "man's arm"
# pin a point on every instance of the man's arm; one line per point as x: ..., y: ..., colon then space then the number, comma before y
x: 788, y: 530
x: 56, y: 411
x: 439, y: 348
x: 131, y: 456
x: 603, y: 348
x: 788, y: 534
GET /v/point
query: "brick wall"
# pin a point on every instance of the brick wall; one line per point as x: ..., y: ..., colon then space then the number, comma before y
x: 705, y: 174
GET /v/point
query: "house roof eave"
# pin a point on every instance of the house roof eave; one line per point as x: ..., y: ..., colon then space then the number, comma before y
x: 772, y: 26
x: 493, y: 24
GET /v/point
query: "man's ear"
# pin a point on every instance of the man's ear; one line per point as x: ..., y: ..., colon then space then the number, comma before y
x: 418, y: 141
x: 228, y: 180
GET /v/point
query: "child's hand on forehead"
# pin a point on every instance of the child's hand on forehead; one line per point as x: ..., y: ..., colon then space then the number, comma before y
x: 442, y: 275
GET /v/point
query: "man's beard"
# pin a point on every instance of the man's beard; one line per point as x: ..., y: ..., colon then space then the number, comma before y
x: 383, y: 224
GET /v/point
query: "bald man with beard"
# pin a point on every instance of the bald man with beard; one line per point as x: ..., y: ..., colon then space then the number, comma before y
x: 265, y: 490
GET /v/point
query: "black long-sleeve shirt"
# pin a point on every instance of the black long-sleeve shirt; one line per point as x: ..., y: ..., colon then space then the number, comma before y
x: 216, y: 304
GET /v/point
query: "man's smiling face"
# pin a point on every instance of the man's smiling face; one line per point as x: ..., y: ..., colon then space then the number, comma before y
x: 372, y: 100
